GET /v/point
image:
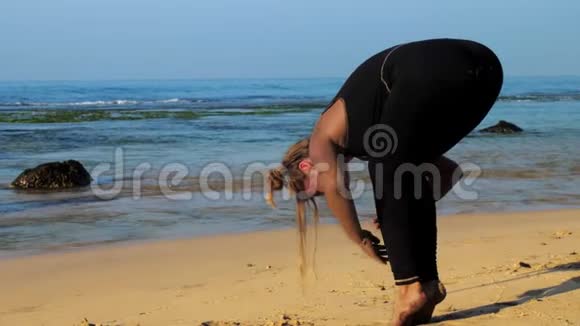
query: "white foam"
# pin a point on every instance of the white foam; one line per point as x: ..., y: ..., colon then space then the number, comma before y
x: 113, y: 102
x: 171, y: 100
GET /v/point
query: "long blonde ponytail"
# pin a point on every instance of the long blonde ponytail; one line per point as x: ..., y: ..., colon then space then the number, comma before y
x: 289, y: 175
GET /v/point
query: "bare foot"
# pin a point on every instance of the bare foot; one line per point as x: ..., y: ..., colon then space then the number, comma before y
x: 410, y: 300
x: 436, y: 293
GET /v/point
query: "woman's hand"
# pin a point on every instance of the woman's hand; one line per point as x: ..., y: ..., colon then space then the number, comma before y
x: 368, y: 234
x: 370, y: 245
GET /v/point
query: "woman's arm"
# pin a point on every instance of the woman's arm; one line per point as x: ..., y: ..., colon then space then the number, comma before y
x: 329, y: 131
x: 331, y: 183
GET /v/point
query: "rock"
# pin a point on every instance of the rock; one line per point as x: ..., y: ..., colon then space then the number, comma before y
x: 502, y: 127
x: 525, y: 265
x: 53, y: 175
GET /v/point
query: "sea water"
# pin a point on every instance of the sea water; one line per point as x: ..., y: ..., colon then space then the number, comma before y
x: 132, y: 134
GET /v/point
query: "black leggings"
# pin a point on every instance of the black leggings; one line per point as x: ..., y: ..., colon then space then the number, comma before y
x: 438, y: 95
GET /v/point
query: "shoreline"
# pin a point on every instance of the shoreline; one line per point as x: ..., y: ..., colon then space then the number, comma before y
x: 83, y: 247
x: 325, y: 220
x: 253, y: 278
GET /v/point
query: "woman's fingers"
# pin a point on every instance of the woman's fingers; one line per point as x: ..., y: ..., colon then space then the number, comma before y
x: 371, y: 250
x: 370, y: 235
x: 370, y: 245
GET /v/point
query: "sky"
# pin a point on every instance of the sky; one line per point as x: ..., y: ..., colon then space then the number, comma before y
x: 174, y: 39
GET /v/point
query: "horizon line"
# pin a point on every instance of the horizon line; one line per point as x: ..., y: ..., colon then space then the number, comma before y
x: 234, y: 78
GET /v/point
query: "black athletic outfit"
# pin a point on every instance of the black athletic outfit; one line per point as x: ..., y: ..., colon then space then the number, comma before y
x: 424, y: 97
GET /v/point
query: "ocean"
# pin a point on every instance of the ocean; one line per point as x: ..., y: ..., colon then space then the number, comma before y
x: 132, y: 134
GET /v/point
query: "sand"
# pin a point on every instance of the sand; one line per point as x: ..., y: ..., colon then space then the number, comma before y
x: 500, y: 269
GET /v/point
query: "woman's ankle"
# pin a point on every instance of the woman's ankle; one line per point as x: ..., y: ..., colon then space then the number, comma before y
x: 435, y: 290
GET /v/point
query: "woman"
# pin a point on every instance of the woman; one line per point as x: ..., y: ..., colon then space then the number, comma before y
x: 401, y: 110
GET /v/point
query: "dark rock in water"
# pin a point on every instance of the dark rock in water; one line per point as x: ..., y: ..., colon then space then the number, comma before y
x: 503, y: 127
x: 53, y: 175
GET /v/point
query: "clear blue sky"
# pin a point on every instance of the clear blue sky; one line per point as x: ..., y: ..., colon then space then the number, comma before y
x: 133, y: 39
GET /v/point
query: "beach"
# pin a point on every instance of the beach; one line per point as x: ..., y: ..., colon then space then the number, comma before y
x: 136, y: 248
x: 518, y: 268
x: 154, y: 158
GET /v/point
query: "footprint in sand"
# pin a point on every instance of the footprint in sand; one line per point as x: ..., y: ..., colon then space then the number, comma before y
x: 86, y: 322
x: 561, y: 234
x: 284, y: 320
x: 220, y: 323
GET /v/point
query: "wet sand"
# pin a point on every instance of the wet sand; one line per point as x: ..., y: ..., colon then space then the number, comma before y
x: 499, y: 269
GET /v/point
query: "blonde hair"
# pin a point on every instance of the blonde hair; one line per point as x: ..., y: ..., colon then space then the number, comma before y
x: 290, y: 176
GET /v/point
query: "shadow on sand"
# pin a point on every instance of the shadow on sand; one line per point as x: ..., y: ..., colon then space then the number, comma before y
x: 536, y: 294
